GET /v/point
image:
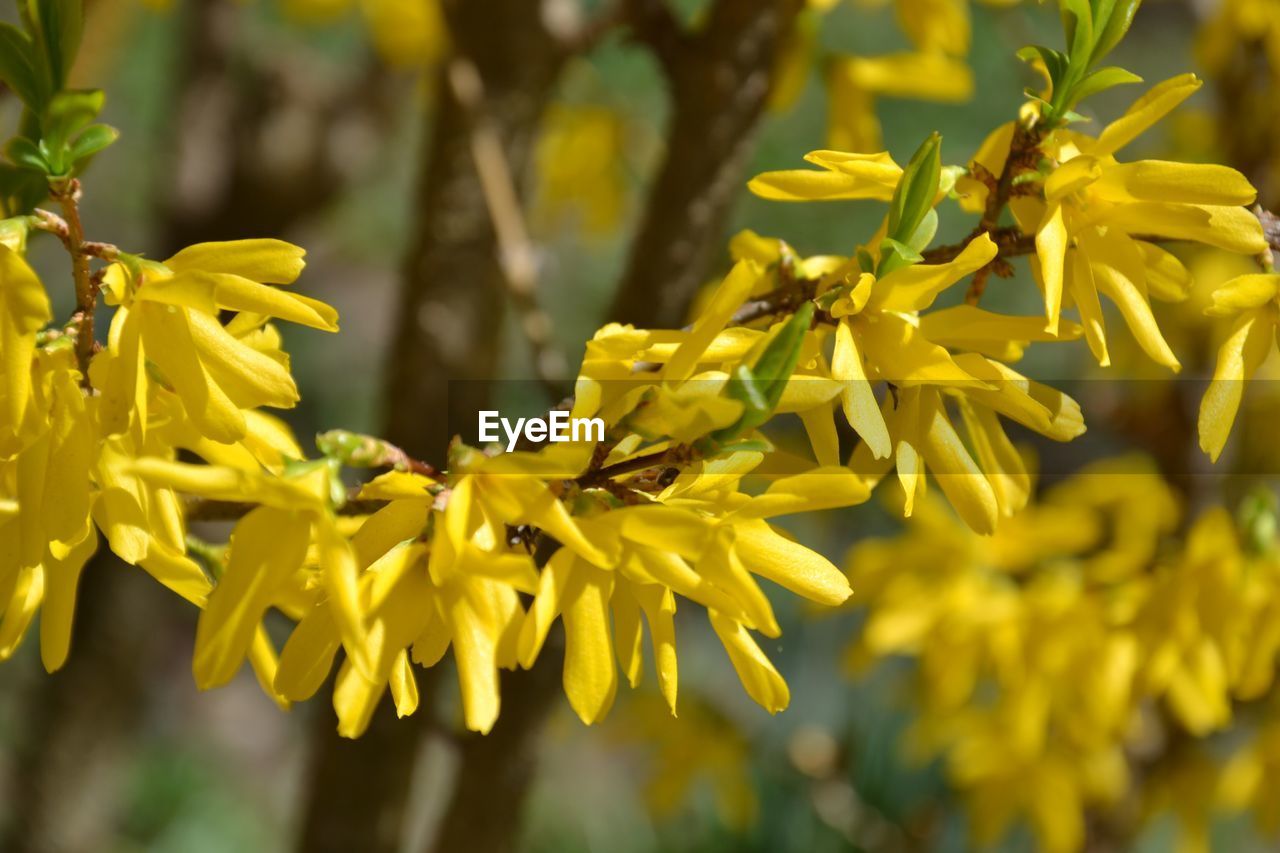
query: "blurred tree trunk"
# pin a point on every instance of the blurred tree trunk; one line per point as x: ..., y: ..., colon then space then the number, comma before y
x: 450, y: 323
x: 720, y: 80
x: 446, y: 351
x: 448, y: 338
x: 227, y: 181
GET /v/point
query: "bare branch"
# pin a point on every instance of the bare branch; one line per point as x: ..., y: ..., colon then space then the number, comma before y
x: 517, y: 255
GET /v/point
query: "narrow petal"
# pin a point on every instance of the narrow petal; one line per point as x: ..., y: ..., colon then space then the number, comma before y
x: 769, y: 554
x: 1239, y: 357
x: 1146, y: 111
x: 590, y: 671
x: 757, y: 674
x: 858, y: 399
x: 1051, y: 250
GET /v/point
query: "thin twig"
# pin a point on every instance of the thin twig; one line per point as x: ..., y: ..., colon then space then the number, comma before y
x: 68, y: 197
x: 517, y: 255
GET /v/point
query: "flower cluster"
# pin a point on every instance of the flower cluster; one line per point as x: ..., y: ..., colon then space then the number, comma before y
x: 1095, y: 635
x: 137, y: 441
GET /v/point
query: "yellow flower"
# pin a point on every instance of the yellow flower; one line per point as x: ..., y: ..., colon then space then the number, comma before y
x: 24, y: 311
x: 1094, y: 227
x: 45, y: 544
x: 580, y: 160
x: 168, y: 318
x: 1252, y: 301
x: 844, y: 176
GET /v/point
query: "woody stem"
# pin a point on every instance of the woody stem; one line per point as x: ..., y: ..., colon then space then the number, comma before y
x: 68, y: 198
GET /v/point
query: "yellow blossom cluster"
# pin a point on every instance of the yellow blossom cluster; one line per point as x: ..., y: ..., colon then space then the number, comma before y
x: 1048, y: 654
x: 138, y: 441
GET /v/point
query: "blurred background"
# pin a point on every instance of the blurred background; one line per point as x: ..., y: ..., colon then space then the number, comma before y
x: 353, y: 128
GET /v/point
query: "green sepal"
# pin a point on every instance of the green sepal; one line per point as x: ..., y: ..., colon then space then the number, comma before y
x: 25, y: 154
x: 19, y: 68
x: 759, y: 388
x: 894, y: 256
x: 1102, y: 80
x: 93, y: 139
x: 916, y: 189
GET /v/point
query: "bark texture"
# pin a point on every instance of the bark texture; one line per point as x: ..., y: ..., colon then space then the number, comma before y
x: 447, y: 345
x: 720, y: 79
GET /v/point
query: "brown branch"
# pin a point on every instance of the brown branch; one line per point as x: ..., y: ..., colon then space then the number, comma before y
x: 517, y: 255
x: 213, y: 510
x: 720, y: 78
x: 71, y: 232
x: 1024, y: 150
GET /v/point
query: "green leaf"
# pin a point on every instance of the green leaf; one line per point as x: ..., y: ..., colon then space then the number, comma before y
x: 776, y: 364
x: 916, y: 189
x: 923, y: 235
x: 1077, y: 20
x: 94, y: 138
x: 1100, y: 81
x: 865, y: 261
x: 739, y: 446
x: 895, y: 255
x: 1115, y: 27
x: 61, y: 26
x: 69, y: 113
x: 759, y: 388
x: 18, y: 67
x: 744, y: 388
x: 1054, y: 61
x: 21, y: 190
x: 25, y: 154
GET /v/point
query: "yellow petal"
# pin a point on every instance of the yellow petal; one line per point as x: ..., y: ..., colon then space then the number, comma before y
x: 24, y: 310
x: 628, y: 635
x: 659, y: 611
x: 1051, y: 250
x: 757, y: 674
x: 1146, y: 111
x: 1185, y: 183
x: 844, y: 176
x: 474, y: 646
x: 1243, y: 293
x: 1085, y: 294
x: 858, y: 399
x: 308, y: 655
x: 814, y: 490
x: 1072, y: 176
x: 262, y: 657
x: 590, y: 672
x: 728, y: 297
x: 1231, y: 228
x: 1239, y: 357
x: 1167, y: 278
x: 913, y: 288
x: 267, y: 546
x: 790, y: 565
x: 61, y: 577
x: 820, y: 427
x: 956, y: 473
x: 355, y: 698
x: 546, y: 606
x: 404, y: 688
x: 1119, y: 277
x: 268, y: 260
x: 903, y: 356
